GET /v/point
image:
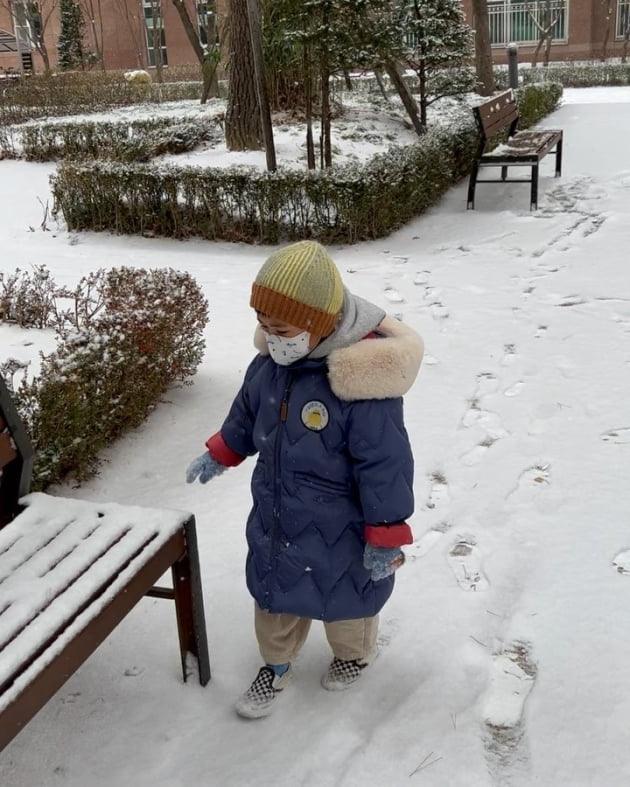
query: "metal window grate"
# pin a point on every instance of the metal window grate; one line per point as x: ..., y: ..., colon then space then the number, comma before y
x: 515, y: 20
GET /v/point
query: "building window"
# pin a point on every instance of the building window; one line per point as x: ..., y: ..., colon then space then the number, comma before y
x: 203, y: 9
x: 153, y: 28
x: 623, y: 18
x: 523, y: 21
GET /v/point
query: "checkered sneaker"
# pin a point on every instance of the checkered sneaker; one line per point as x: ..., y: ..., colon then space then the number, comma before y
x: 342, y: 673
x: 258, y: 699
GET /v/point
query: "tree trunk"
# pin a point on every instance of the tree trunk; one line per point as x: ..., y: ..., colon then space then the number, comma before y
x: 378, y: 75
x: 255, y: 32
x: 326, y: 147
x: 422, y: 75
x: 43, y: 51
x: 403, y: 91
x: 541, y: 41
x: 308, y: 88
x: 207, y: 60
x: 548, y: 48
x: 190, y: 30
x: 483, y: 50
x: 242, y: 117
x: 608, y: 17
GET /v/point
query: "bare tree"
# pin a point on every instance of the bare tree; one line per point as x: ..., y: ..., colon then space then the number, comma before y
x: 545, y: 29
x: 626, y: 41
x: 31, y: 20
x: 255, y: 31
x: 483, y: 48
x: 209, y: 53
x: 608, y: 13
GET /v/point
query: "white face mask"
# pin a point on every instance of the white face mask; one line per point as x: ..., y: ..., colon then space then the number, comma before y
x: 285, y: 350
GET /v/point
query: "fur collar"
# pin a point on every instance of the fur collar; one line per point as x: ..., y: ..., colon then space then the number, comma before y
x: 381, y: 368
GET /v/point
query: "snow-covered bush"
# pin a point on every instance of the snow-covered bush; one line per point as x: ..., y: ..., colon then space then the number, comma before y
x: 29, y: 298
x: 131, y: 335
x: 138, y: 77
x: 137, y: 140
x: 78, y: 92
x: 340, y: 204
x: 572, y: 74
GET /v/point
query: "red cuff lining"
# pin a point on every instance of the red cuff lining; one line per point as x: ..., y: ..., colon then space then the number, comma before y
x: 222, y: 452
x: 395, y: 535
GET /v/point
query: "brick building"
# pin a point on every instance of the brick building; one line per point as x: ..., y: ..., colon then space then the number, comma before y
x: 581, y: 29
x: 121, y: 29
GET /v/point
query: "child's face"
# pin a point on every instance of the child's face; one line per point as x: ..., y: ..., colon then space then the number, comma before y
x: 279, y: 328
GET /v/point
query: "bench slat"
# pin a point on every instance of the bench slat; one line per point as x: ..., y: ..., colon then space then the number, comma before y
x: 71, y: 551
x: 498, y: 113
x: 41, y: 679
x: 531, y: 144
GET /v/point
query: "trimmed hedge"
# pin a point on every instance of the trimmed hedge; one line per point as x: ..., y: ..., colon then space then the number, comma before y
x: 567, y: 75
x: 135, y: 333
x: 344, y: 204
x: 138, y: 140
x: 73, y: 93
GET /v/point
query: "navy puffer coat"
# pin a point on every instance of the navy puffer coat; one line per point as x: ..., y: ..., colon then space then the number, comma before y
x: 326, y: 467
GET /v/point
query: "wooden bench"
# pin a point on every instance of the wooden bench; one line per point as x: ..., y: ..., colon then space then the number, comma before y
x: 71, y: 570
x: 522, y: 148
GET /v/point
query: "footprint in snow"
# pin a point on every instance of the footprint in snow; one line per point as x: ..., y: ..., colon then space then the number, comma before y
x: 622, y: 562
x: 465, y: 560
x: 514, y: 390
x: 489, y: 421
x: 422, y: 277
x: 477, y: 453
x: 509, y: 355
x: 393, y: 296
x: 512, y: 677
x: 427, y: 540
x: 531, y: 479
x: 621, y: 435
x: 438, y: 311
x: 487, y: 383
x: 439, y: 491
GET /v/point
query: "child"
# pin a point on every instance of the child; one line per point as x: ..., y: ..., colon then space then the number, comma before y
x: 321, y: 406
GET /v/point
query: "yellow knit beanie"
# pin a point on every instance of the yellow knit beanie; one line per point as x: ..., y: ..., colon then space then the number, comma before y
x: 300, y: 284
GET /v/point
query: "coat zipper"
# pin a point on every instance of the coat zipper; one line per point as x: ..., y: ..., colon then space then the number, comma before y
x: 284, y: 412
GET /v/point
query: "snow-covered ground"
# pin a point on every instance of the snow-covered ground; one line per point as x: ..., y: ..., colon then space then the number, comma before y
x: 504, y: 649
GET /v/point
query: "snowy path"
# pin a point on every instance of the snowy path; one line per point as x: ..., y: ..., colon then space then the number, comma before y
x: 504, y: 648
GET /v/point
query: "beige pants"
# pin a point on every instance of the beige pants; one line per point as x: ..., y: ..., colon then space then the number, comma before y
x: 280, y: 637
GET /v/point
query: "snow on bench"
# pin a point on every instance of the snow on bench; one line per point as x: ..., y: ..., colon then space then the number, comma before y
x: 70, y: 571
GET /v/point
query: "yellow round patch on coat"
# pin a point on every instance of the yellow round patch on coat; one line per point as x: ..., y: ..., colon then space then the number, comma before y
x: 315, y: 416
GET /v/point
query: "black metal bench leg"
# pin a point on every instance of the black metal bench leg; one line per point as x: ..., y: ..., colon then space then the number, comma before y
x: 471, y: 186
x: 559, y: 158
x: 534, y: 192
x: 504, y: 172
x: 191, y: 623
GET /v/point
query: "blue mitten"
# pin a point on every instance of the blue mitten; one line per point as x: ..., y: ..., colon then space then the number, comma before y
x: 203, y: 467
x: 382, y: 561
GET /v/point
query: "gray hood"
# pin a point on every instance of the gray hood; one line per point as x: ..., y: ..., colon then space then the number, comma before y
x: 358, y: 318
